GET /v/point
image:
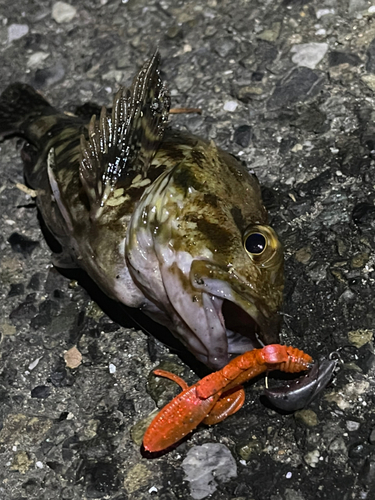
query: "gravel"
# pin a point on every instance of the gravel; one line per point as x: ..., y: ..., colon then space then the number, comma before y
x: 289, y: 87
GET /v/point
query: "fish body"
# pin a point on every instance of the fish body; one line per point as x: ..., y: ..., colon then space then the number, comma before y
x: 161, y: 220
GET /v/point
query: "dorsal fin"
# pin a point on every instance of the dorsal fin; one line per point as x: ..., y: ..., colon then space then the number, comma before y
x: 121, y: 146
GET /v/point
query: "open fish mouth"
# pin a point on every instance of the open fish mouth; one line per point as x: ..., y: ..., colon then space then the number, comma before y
x: 243, y: 332
x: 236, y: 318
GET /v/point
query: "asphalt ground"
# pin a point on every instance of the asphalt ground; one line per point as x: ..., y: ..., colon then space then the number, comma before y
x: 287, y: 86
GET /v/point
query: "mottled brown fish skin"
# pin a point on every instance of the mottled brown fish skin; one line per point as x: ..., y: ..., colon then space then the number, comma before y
x: 161, y: 220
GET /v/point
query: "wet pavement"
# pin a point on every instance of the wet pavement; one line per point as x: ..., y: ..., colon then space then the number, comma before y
x: 288, y: 86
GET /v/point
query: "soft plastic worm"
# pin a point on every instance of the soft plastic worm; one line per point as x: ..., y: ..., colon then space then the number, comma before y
x: 218, y: 395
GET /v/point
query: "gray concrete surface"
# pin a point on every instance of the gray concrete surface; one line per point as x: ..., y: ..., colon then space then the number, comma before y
x: 289, y: 87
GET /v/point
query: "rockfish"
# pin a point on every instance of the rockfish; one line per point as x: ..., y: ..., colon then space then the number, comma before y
x: 161, y: 220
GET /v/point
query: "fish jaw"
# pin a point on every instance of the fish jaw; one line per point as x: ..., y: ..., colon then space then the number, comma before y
x: 250, y: 313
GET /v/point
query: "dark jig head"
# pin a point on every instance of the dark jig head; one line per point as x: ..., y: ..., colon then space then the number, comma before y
x: 299, y: 393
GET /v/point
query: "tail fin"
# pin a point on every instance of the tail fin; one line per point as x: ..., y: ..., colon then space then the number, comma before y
x: 18, y: 103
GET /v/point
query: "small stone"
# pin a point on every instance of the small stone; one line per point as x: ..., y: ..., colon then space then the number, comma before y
x: 25, y: 310
x: 369, y: 80
x: 93, y: 311
x: 16, y: 31
x: 360, y: 337
x: 297, y: 86
x: 230, y: 106
x: 73, y: 358
x: 303, y: 255
x: 137, y: 477
x: 91, y: 429
x: 225, y: 47
x: 34, y: 363
x: 335, y: 58
x: 348, y: 396
x: 7, y: 329
x: 41, y: 392
x: 352, y: 425
x: 248, y: 92
x: 174, y: 31
x: 112, y: 368
x: 372, y: 437
x: 16, y: 289
x: 309, y: 55
x: 312, y: 458
x: 36, y: 59
x: 360, y: 260
x: 249, y: 449
x: 307, y: 417
x: 242, y: 135
x: 21, y: 244
x: 21, y: 462
x: 271, y: 35
x: 63, y: 12
x: 347, y: 296
x: 204, y: 464
x: 324, y: 12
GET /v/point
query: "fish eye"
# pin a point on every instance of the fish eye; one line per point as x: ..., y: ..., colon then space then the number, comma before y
x: 262, y: 245
x: 255, y: 243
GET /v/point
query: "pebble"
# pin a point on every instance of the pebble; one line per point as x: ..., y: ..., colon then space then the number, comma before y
x: 307, y: 417
x: 136, y: 477
x: 372, y: 437
x: 369, y: 80
x: 41, y: 392
x: 204, y: 464
x: 21, y: 462
x: 36, y: 59
x: 299, y: 84
x: 16, y: 31
x: 309, y: 55
x: 34, y: 363
x: 230, y: 106
x: 352, y: 425
x: 63, y: 12
x: 360, y: 337
x: 73, y: 358
x: 251, y: 448
x: 324, y: 12
x: 242, y: 135
x: 21, y: 244
x: 312, y: 458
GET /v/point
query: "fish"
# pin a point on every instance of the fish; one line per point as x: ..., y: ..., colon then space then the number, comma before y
x: 162, y: 220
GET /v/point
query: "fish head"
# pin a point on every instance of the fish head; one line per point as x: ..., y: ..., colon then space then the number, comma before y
x: 217, y: 270
x: 249, y: 281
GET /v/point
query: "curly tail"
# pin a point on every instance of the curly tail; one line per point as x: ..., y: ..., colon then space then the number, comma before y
x: 18, y: 103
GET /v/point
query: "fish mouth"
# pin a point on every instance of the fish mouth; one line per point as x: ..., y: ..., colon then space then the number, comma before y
x: 243, y: 332
x: 237, y: 317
